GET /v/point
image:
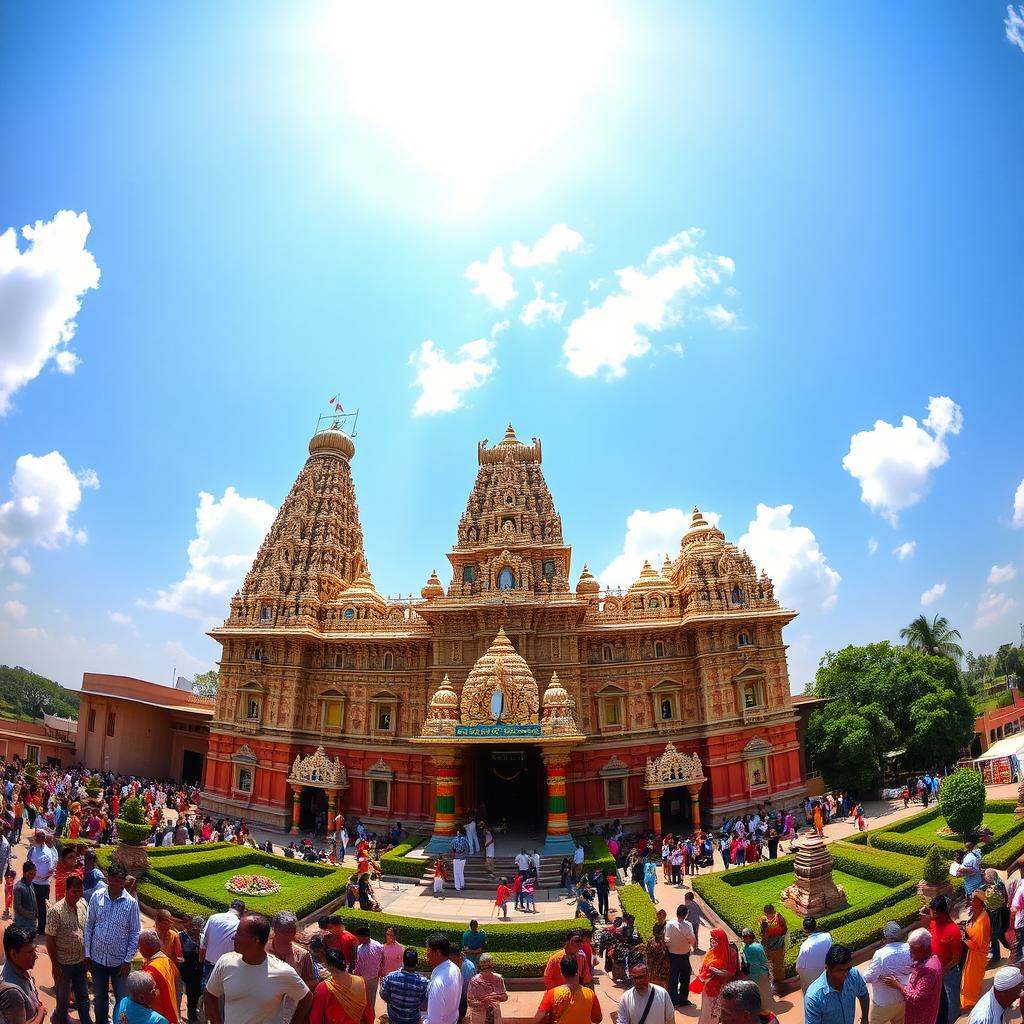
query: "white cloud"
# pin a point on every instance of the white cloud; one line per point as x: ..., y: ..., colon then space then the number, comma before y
x: 649, y: 537
x: 32, y: 633
x: 872, y: 545
x: 905, y: 550
x: 45, y: 495
x: 1001, y: 573
x: 41, y: 293
x: 20, y: 564
x: 15, y: 610
x: 443, y: 381
x: 501, y: 325
x: 932, y: 594
x: 1018, y: 506
x: 229, y: 531
x: 992, y: 606
x: 792, y: 558
x: 541, y: 308
x: 15, y: 588
x: 595, y: 284
x: 120, y: 618
x: 648, y: 299
x: 185, y: 662
x: 1014, y: 23
x: 721, y: 317
x: 492, y: 280
x: 894, y: 464
x: 560, y: 239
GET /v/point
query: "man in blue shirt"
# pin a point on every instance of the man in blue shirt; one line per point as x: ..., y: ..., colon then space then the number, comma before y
x: 830, y: 999
x: 970, y: 869
x: 404, y: 991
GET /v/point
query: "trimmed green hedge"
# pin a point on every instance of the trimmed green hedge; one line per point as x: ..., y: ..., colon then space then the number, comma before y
x: 634, y: 900
x: 507, y: 964
x: 892, y: 870
x: 395, y: 862
x: 132, y: 834
x: 892, y: 839
x: 598, y: 856
x: 195, y: 865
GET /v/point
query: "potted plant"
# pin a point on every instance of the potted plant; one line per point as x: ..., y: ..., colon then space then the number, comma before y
x: 93, y: 786
x: 132, y: 832
x: 936, y: 880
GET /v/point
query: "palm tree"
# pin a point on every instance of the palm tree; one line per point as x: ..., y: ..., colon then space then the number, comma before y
x: 935, y: 637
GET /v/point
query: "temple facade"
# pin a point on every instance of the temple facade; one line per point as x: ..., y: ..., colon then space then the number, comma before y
x: 507, y: 688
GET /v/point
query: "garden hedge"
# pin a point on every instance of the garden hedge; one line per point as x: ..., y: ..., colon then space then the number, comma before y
x: 634, y: 900
x: 395, y: 862
x: 599, y: 856
x: 962, y: 800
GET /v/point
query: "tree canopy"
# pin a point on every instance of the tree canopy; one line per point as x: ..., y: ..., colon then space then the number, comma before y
x: 935, y: 637
x: 882, y: 698
x: 25, y: 695
x: 206, y: 684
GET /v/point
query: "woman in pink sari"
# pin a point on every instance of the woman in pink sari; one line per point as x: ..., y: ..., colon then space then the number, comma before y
x: 341, y: 999
x: 485, y: 994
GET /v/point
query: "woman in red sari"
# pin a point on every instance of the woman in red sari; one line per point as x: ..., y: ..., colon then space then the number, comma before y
x: 341, y: 999
x: 720, y: 965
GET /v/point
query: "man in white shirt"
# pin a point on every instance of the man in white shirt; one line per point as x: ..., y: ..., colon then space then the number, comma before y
x: 679, y: 942
x: 634, y: 1003
x: 810, y: 961
x: 577, y: 861
x: 522, y: 860
x: 890, y: 961
x: 218, y: 936
x: 444, y: 992
x: 535, y: 862
x: 472, y: 837
x: 44, y: 856
x: 253, y: 985
x: 992, y: 1006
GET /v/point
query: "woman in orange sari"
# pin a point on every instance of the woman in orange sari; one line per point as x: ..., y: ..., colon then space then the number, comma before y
x: 341, y: 999
x: 979, y: 934
x: 720, y: 965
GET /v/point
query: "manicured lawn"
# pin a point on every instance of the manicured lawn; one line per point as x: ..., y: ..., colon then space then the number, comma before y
x: 294, y: 888
x: 859, y: 891
x: 999, y: 823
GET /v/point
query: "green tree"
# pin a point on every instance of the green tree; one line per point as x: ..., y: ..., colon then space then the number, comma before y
x: 24, y: 695
x: 206, y: 684
x: 935, y: 637
x: 848, y: 743
x: 962, y: 801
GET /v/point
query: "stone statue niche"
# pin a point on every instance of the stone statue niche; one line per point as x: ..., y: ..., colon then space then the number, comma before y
x: 813, y: 893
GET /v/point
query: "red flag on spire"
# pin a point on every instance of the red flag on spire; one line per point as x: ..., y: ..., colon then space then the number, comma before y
x: 338, y: 407
x: 331, y: 401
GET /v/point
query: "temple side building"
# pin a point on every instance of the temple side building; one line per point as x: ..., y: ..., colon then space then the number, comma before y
x: 506, y: 687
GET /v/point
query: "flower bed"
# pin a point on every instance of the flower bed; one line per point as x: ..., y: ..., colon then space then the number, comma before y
x: 252, y: 885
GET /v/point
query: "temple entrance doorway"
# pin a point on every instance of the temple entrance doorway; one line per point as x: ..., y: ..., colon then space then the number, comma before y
x: 313, y: 810
x: 510, y: 783
x: 677, y: 810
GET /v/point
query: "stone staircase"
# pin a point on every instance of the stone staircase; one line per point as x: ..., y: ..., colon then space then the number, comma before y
x: 481, y: 882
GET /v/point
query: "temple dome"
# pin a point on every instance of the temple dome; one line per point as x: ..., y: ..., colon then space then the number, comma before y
x: 500, y: 667
x: 556, y: 694
x: 649, y: 581
x: 333, y: 439
x: 700, y: 530
x: 442, y: 711
x: 362, y: 592
x: 432, y: 588
x: 587, y: 584
x: 510, y: 437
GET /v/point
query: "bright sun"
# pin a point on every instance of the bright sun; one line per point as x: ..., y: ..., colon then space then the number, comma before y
x: 469, y: 91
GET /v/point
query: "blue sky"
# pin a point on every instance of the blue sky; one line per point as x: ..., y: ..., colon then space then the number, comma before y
x: 753, y: 237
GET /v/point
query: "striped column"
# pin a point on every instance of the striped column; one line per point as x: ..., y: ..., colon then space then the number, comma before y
x: 655, y: 795
x: 446, y: 770
x: 557, y: 839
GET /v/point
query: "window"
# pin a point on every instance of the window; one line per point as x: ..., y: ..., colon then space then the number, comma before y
x: 32, y: 753
x: 510, y: 499
x: 333, y: 714
x: 111, y: 718
x: 266, y: 613
x: 384, y: 719
x: 243, y: 779
x: 379, y: 793
x: 606, y: 652
x: 615, y: 793
x: 506, y: 579
x: 757, y: 772
x: 389, y: 661
x: 253, y: 710
x: 339, y: 661
x: 655, y: 603
x: 666, y: 710
x: 92, y: 719
x: 350, y: 613
x: 383, y: 713
x: 610, y: 710
x: 659, y: 649
x: 468, y: 574
x: 737, y: 596
x: 257, y: 654
x: 549, y: 570
x: 743, y: 640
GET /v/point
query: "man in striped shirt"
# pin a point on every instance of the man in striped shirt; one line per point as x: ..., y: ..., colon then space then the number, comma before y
x: 369, y: 965
x: 404, y: 991
x: 111, y: 939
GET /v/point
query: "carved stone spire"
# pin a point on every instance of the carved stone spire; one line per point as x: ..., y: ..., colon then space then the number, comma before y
x: 314, y: 549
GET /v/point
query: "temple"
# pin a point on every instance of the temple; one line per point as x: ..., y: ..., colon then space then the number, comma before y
x: 664, y: 705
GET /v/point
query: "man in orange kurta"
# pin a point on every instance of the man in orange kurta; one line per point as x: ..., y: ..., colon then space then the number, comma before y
x: 163, y: 971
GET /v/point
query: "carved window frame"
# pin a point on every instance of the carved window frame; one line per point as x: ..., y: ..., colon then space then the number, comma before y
x: 611, y: 697
x: 666, y: 689
x: 384, y: 702
x: 330, y: 699
x: 236, y: 780
x: 251, y: 693
x: 610, y: 803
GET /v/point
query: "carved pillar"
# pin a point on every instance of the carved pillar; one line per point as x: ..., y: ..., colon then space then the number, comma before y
x: 557, y: 840
x: 332, y: 803
x: 655, y: 795
x: 296, y: 809
x: 694, y: 789
x: 446, y: 786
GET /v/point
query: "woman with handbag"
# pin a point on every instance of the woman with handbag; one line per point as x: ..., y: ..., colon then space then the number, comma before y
x: 720, y: 965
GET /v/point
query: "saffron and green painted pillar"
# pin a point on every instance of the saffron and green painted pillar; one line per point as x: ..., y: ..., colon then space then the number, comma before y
x: 296, y: 809
x: 655, y: 795
x: 557, y: 840
x: 446, y: 785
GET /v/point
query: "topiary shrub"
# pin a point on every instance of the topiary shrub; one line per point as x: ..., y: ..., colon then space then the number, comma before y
x: 132, y: 827
x: 93, y: 786
x: 962, y: 801
x: 936, y: 867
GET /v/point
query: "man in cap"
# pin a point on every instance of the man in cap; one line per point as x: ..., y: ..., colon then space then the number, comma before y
x: 992, y: 1006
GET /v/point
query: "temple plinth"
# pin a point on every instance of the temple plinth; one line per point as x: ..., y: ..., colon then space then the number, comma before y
x: 814, y: 892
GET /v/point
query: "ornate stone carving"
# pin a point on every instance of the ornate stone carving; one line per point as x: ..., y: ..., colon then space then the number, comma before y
x: 673, y: 769
x: 559, y: 717
x: 500, y: 671
x: 443, y: 711
x: 814, y: 892
x: 318, y: 769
